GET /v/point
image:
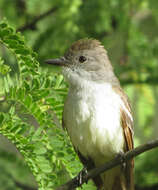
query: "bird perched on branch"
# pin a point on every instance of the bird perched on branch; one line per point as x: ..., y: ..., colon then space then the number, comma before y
x: 97, y: 114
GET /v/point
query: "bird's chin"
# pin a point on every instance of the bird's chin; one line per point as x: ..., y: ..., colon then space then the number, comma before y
x: 69, y: 73
x: 75, y: 76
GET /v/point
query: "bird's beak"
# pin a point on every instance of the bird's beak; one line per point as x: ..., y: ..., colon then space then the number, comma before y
x: 59, y: 61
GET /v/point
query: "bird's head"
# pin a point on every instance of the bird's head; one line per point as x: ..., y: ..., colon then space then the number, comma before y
x: 86, y: 59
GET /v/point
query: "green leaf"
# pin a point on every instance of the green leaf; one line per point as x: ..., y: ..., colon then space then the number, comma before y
x: 22, y: 50
x: 12, y: 110
x: 3, y: 25
x: 44, y: 164
x: 37, y: 134
x: 4, y: 32
x: 60, y: 154
x: 1, y: 118
x: 4, y: 69
x: 12, y: 43
x: 39, y: 148
x: 59, y: 80
x: 28, y: 100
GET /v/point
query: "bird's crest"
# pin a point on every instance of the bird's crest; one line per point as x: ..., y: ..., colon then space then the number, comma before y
x: 84, y: 44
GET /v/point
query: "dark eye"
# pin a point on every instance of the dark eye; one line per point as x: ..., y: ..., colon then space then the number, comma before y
x: 82, y: 59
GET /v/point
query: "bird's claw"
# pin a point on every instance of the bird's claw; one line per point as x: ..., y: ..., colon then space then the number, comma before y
x: 81, y: 176
x: 121, y: 156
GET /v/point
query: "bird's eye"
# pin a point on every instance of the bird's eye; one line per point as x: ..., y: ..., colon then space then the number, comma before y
x: 82, y: 59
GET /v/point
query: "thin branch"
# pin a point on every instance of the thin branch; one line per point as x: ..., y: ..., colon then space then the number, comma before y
x: 151, y: 81
x: 32, y: 25
x: 72, y: 184
x: 23, y: 186
x: 150, y: 187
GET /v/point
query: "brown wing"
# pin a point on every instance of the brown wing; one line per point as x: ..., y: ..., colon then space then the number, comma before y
x: 126, y: 119
x: 127, y: 125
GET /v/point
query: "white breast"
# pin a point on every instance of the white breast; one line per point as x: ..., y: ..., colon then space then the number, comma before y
x: 92, y: 118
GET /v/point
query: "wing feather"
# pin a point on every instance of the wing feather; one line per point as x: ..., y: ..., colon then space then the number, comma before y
x: 126, y: 119
x: 127, y: 125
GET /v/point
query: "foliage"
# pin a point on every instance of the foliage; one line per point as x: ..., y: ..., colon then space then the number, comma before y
x: 28, y: 122
x: 32, y: 94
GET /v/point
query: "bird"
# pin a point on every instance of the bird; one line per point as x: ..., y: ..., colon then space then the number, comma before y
x: 97, y: 113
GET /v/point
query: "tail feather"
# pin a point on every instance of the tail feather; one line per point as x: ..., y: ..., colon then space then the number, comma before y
x: 117, y: 179
x: 118, y: 184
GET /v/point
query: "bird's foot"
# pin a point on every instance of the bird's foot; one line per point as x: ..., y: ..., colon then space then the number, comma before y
x: 81, y: 176
x: 121, y: 156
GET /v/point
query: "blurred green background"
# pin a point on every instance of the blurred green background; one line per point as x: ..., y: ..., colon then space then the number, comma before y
x: 129, y: 32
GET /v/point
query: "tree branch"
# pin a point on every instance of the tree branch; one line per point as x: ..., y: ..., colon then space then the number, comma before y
x: 72, y: 184
x: 32, y: 25
x: 23, y: 186
x: 150, y: 187
x: 151, y: 81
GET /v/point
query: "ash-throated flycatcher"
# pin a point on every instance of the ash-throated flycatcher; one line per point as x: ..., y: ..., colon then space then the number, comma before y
x: 97, y: 114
